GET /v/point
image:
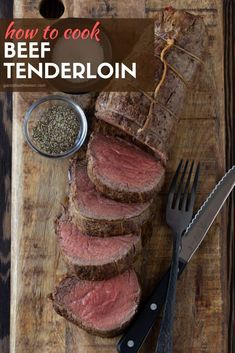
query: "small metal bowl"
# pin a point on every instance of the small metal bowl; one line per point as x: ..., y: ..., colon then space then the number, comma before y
x: 34, y: 114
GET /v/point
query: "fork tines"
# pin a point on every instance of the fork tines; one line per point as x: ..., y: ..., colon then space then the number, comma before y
x: 182, y: 194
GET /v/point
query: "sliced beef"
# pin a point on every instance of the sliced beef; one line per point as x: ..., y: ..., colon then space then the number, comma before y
x: 152, y: 118
x: 97, y: 215
x: 102, y: 308
x: 122, y: 171
x: 95, y: 258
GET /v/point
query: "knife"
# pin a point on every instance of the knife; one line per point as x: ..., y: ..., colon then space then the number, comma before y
x: 134, y: 337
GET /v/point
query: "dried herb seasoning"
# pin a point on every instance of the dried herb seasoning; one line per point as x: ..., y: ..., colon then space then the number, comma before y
x: 57, y: 129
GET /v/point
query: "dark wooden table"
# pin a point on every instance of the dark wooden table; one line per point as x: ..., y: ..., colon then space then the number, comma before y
x: 6, y: 10
x: 229, y: 62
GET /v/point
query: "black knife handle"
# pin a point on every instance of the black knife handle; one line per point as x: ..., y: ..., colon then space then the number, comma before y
x: 139, y: 329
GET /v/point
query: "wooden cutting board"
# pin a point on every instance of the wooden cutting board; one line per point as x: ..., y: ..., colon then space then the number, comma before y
x: 39, y: 186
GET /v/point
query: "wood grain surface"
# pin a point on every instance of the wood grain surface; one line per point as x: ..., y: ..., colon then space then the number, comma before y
x: 39, y: 187
x: 6, y: 10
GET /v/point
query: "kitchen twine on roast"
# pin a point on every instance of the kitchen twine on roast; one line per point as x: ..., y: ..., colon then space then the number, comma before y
x: 170, y: 42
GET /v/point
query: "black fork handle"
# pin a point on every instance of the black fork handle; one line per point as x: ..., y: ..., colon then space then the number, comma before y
x: 139, y: 329
x: 165, y: 338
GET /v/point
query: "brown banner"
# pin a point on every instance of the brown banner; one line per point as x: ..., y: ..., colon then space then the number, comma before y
x: 77, y: 55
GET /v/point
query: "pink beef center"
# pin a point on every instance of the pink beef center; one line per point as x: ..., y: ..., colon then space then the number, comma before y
x: 104, y: 305
x: 93, y: 204
x: 93, y: 250
x: 121, y: 163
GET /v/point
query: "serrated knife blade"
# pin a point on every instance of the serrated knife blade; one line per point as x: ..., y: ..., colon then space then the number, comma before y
x: 201, y: 222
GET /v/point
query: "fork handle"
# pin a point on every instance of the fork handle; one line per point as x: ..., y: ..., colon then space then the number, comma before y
x: 165, y: 338
x: 147, y: 316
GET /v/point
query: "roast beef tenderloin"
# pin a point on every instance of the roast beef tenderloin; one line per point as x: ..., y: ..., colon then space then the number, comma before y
x: 152, y: 118
x: 102, y: 308
x: 97, y: 215
x: 95, y: 258
x: 122, y: 171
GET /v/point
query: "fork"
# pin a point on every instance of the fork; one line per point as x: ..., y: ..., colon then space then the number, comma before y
x: 179, y: 213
